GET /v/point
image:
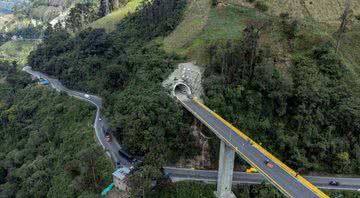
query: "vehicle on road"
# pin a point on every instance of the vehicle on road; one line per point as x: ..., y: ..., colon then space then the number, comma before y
x: 269, y: 164
x: 118, y: 164
x: 43, y: 83
x: 87, y: 96
x: 251, y: 170
x: 134, y: 162
x: 126, y: 155
x: 334, y: 183
x: 100, y: 119
x: 108, y: 136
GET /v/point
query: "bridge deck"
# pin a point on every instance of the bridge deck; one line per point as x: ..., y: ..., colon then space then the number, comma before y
x: 280, y: 175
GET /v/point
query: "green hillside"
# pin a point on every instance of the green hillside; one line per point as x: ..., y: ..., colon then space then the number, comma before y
x: 48, y: 146
x: 110, y: 21
x: 17, y: 50
x: 276, y: 77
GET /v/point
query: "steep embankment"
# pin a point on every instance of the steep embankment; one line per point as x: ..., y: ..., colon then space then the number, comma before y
x: 228, y: 20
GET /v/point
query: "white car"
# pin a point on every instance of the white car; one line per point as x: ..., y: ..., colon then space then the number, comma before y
x: 87, y: 96
x: 100, y: 119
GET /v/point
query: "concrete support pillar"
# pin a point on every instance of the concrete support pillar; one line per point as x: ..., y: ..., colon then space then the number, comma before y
x: 225, y: 174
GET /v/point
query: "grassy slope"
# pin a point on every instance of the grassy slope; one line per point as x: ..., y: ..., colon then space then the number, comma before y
x: 227, y: 22
x: 195, y: 18
x: 17, y: 50
x: 223, y: 23
x: 110, y: 21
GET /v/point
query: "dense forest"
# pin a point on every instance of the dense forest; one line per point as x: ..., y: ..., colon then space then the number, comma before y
x: 47, y: 147
x: 307, y: 114
x: 126, y: 69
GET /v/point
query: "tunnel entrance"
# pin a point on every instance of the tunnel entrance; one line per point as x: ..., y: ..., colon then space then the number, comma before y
x: 181, y: 89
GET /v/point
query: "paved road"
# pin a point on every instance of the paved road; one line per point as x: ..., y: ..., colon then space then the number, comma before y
x: 100, y: 125
x: 112, y: 147
x: 287, y: 183
x: 210, y: 176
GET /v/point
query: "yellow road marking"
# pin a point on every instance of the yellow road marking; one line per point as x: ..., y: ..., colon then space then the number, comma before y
x: 246, y: 158
x: 285, y: 167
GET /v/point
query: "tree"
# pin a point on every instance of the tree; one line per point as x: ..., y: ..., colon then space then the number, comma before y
x: 345, y: 20
x: 143, y: 180
x: 252, y: 34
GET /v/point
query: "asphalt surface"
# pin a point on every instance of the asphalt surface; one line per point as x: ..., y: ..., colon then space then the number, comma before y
x: 223, y: 132
x: 210, y: 176
x: 112, y: 148
x: 285, y: 182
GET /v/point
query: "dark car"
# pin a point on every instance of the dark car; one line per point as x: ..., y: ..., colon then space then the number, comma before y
x: 334, y: 183
x: 127, y: 156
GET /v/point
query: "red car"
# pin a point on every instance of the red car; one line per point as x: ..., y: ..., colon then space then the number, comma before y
x: 108, y: 137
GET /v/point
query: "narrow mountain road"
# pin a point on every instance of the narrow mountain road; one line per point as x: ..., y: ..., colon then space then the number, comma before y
x: 100, y: 125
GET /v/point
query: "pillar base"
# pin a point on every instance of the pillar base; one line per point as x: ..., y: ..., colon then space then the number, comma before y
x: 227, y: 194
x: 225, y: 174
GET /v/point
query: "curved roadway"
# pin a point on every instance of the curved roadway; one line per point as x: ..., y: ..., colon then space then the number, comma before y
x: 112, y: 148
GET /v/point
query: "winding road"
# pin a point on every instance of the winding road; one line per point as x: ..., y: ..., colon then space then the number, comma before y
x: 178, y: 174
x: 100, y: 125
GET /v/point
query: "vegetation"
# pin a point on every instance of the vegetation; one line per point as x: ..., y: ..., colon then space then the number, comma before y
x: 274, y: 77
x: 110, y: 21
x: 80, y: 15
x: 260, y: 5
x: 47, y: 147
x: 126, y: 68
x: 17, y: 50
x: 307, y: 115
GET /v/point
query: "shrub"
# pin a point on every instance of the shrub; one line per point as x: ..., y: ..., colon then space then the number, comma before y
x: 261, y: 6
x: 251, y: 1
x: 357, y: 17
x: 214, y: 2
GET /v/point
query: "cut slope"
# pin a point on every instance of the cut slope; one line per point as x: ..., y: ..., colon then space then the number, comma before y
x: 110, y: 21
x: 195, y: 19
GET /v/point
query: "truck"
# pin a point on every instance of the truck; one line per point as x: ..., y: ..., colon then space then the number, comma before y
x: 44, y: 83
x: 108, y: 136
x: 268, y: 163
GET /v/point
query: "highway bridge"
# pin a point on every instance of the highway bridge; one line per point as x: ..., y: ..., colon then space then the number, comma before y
x: 280, y: 175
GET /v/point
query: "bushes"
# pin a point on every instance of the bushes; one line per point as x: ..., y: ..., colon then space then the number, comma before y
x: 44, y: 151
x: 260, y: 5
x: 315, y: 106
x: 126, y: 69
